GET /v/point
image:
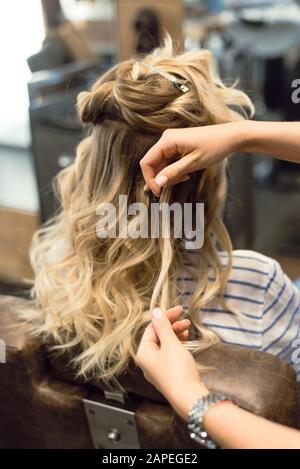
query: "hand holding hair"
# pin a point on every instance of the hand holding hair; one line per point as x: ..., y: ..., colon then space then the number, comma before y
x: 171, y: 368
x: 168, y: 365
x: 180, y: 152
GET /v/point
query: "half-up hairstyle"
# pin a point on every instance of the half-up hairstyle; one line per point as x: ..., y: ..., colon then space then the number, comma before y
x: 94, y: 295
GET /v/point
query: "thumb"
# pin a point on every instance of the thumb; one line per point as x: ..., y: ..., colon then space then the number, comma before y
x: 162, y: 327
x: 174, y: 172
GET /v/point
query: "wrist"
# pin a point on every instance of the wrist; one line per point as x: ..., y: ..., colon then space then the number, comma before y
x: 182, y: 400
x: 246, y: 137
x: 235, y: 137
x: 198, y: 414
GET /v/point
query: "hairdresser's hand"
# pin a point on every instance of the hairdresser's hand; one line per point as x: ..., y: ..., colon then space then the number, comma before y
x: 168, y: 365
x: 181, y: 151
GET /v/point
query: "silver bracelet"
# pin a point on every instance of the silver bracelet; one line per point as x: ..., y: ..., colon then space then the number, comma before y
x: 196, y: 417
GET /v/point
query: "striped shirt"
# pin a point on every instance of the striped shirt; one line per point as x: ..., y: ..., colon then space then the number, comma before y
x: 268, y: 304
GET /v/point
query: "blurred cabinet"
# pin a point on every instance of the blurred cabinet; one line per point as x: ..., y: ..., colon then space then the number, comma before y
x: 54, y: 143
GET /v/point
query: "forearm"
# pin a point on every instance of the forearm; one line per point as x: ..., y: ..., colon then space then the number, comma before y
x: 232, y: 427
x: 279, y: 139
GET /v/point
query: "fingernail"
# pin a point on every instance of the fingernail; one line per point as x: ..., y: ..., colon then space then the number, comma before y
x: 161, y: 180
x: 157, y: 313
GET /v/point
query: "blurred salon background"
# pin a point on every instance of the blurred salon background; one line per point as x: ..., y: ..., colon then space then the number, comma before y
x: 52, y: 49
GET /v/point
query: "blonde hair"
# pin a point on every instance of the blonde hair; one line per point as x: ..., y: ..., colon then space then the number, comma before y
x: 95, y: 295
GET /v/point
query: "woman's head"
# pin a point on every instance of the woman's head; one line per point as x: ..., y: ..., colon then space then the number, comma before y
x: 96, y: 293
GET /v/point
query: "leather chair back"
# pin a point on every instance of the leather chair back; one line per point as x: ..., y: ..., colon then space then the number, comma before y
x: 42, y: 404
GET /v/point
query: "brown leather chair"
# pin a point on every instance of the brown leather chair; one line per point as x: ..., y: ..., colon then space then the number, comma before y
x: 42, y: 405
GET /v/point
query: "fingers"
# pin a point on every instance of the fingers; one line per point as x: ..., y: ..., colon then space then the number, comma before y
x: 175, y: 172
x: 170, y: 174
x: 149, y: 166
x: 149, y: 337
x: 156, y: 159
x: 163, y: 327
x: 173, y: 314
x: 161, y: 331
x: 176, y: 181
x: 149, y: 175
x: 181, y: 179
x: 181, y: 326
x: 183, y: 336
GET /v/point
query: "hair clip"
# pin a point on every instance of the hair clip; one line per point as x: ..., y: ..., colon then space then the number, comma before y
x: 168, y: 76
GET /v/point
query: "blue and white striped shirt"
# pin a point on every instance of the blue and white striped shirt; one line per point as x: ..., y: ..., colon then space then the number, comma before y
x: 267, y: 301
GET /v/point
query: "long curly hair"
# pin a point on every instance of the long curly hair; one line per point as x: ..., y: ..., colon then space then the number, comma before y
x: 95, y: 295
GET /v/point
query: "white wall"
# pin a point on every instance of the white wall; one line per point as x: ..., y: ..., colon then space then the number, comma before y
x: 21, y: 35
